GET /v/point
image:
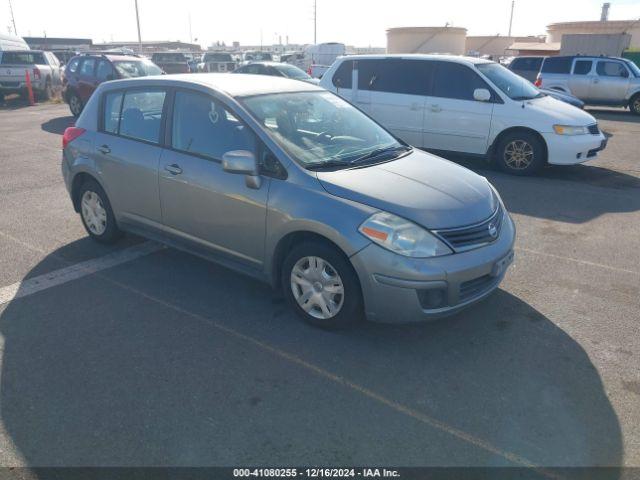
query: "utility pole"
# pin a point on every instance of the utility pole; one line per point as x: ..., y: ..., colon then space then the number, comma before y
x: 513, y: 2
x: 190, y: 32
x: 138, y: 23
x: 13, y: 20
x: 315, y: 21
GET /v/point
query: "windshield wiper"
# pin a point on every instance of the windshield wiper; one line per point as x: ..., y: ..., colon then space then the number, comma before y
x: 380, y: 151
x: 327, y: 164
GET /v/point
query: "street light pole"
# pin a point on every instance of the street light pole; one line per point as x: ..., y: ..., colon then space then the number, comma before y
x: 138, y: 23
x: 513, y: 2
x: 315, y: 21
x: 13, y: 20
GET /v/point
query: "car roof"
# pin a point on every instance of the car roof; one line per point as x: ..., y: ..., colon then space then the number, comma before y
x: 589, y: 57
x: 422, y: 56
x: 232, y: 84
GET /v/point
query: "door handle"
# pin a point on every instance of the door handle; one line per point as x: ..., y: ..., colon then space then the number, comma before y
x: 104, y: 149
x: 436, y: 108
x: 173, y: 169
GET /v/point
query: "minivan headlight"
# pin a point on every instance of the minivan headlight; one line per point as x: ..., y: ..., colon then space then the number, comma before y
x: 402, y: 236
x: 570, y: 130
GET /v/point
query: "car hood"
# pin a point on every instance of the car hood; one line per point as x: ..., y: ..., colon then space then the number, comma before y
x: 559, y: 112
x: 421, y: 187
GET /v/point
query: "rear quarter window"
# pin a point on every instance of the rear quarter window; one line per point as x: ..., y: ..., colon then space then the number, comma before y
x: 342, y: 77
x: 557, y: 65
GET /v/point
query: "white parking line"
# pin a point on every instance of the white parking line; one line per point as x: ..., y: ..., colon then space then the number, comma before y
x: 73, y: 272
x: 577, y: 260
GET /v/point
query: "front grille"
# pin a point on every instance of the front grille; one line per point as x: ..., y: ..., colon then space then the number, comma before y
x: 593, y: 129
x: 466, y: 238
x: 476, y: 287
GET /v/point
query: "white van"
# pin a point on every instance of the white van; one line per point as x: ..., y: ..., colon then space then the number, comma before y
x: 318, y: 58
x: 466, y: 105
x: 11, y: 42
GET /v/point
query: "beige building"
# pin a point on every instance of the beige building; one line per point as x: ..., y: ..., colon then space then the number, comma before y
x: 427, y: 40
x: 632, y: 27
x: 495, y: 45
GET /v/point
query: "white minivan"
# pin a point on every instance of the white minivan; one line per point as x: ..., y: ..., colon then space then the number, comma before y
x: 467, y: 105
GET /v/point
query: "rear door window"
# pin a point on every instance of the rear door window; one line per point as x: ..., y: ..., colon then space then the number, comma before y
x: 142, y: 114
x: 112, y: 110
x: 582, y: 67
x: 453, y: 80
x: 87, y: 67
x: 557, y: 65
x: 411, y: 77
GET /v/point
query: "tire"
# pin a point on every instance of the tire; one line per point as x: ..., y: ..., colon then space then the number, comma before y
x: 319, y: 267
x: 75, y: 105
x: 520, y: 153
x: 634, y: 104
x: 96, y: 213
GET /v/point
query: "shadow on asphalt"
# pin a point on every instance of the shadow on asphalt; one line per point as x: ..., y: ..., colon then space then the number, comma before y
x: 614, y: 115
x: 58, y: 125
x: 109, y: 377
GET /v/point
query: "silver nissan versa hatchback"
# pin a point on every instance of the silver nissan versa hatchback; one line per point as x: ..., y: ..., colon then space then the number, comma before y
x: 289, y: 183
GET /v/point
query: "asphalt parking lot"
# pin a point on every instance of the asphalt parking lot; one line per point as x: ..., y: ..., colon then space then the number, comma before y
x: 149, y: 356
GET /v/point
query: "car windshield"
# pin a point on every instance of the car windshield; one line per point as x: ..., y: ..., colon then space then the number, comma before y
x: 634, y: 68
x: 320, y: 129
x: 292, y: 71
x: 169, y: 57
x: 258, y: 56
x: 136, y: 68
x: 512, y: 85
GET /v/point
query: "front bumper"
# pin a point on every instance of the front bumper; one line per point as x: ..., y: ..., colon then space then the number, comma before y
x: 572, y: 149
x: 399, y: 289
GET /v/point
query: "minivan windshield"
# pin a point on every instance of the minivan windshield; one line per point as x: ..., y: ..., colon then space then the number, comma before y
x: 512, y: 85
x: 319, y: 129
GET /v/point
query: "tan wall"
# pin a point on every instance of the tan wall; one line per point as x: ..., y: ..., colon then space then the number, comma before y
x: 426, y: 40
x: 617, y: 26
x: 494, y: 45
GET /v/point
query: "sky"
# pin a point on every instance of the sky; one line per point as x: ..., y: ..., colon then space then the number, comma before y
x: 354, y: 22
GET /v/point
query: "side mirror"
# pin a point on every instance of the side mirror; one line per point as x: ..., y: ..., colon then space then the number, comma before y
x: 482, y: 95
x: 242, y: 162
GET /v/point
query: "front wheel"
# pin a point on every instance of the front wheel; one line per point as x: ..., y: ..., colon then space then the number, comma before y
x: 321, y: 286
x: 96, y: 213
x: 634, y: 104
x: 520, y: 153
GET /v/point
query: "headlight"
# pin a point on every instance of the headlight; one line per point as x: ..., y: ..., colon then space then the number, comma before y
x: 570, y: 130
x: 402, y: 236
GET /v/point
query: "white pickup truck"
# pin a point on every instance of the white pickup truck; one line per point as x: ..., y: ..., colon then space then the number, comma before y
x: 43, y: 67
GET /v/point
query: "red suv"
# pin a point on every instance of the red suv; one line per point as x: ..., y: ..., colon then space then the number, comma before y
x: 84, y: 73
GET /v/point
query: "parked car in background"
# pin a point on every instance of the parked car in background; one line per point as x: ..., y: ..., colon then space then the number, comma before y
x: 171, y: 62
x: 84, y: 73
x: 290, y: 184
x: 563, y: 97
x: 64, y: 56
x: 319, y: 57
x: 527, y: 67
x: 609, y: 81
x: 43, y: 68
x: 466, y: 105
x: 256, y: 56
x: 294, y: 58
x: 217, y: 62
x: 193, y: 60
x: 276, y: 69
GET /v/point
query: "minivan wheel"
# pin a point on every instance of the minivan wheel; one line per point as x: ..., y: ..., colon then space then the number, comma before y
x: 75, y: 105
x: 321, y: 286
x: 634, y: 104
x: 520, y: 153
x: 96, y: 213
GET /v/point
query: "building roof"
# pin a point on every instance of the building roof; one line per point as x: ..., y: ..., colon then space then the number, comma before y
x: 540, y: 47
x: 54, y: 40
x: 233, y: 84
x: 594, y: 23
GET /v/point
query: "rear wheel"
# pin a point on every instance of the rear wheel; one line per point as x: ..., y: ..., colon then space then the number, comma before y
x: 520, y: 153
x: 96, y: 213
x: 321, y: 285
x: 634, y: 104
x: 75, y: 105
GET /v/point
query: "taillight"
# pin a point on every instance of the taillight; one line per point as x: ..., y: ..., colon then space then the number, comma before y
x: 36, y: 73
x: 70, y: 134
x: 538, y: 82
